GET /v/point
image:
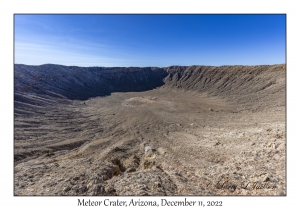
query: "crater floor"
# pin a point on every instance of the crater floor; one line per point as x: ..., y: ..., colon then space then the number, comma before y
x: 164, y: 141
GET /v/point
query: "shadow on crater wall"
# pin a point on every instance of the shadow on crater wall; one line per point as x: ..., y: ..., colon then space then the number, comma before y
x: 31, y: 83
x: 82, y: 83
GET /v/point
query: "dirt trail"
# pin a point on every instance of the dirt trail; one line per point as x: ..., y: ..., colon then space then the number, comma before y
x: 206, y: 131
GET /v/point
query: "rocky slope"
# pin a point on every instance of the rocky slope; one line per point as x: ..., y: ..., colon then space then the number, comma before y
x: 194, y: 130
x: 80, y: 83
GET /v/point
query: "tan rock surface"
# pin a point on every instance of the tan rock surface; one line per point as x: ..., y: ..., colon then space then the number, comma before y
x: 205, y: 132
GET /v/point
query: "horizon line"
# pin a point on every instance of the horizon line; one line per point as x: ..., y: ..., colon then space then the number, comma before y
x: 149, y: 66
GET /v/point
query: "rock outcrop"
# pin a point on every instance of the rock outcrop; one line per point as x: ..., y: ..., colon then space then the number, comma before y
x: 179, y: 130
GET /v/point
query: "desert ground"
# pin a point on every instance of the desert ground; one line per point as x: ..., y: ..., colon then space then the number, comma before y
x: 202, y: 131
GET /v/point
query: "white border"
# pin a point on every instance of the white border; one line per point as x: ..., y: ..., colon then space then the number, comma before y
x: 8, y: 8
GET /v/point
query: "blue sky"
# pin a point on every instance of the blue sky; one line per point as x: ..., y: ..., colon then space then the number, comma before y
x: 150, y: 40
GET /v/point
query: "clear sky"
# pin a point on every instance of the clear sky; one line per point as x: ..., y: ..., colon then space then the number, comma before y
x: 150, y: 40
